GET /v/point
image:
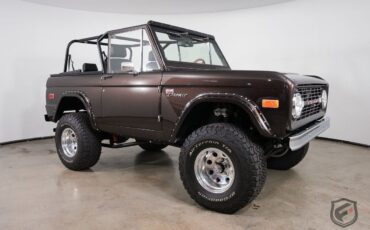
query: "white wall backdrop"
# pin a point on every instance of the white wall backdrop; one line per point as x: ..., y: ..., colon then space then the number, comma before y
x: 330, y: 38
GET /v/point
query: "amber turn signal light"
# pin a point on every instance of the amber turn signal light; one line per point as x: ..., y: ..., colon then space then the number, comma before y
x: 270, y: 103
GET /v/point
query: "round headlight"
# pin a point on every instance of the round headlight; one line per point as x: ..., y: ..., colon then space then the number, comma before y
x: 298, y: 105
x: 324, y: 99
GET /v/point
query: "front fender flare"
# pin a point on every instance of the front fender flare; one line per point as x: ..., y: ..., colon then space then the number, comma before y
x: 257, y: 117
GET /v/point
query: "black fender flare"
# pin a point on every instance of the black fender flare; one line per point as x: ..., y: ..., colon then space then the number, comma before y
x: 80, y: 95
x: 257, y: 117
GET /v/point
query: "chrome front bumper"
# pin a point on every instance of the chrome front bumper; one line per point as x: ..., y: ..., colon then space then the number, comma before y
x: 298, y: 140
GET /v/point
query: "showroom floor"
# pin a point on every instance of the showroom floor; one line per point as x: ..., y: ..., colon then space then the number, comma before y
x: 132, y: 189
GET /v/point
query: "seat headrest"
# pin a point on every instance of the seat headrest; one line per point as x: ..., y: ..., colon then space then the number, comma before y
x: 119, y: 51
x: 151, y: 56
x: 89, y: 67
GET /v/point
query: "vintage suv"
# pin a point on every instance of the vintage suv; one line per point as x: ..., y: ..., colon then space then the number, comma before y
x: 165, y: 85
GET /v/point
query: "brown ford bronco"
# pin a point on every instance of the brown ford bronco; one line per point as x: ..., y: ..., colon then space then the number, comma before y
x: 164, y: 85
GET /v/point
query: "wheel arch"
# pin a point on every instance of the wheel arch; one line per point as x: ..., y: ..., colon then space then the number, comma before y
x: 75, y: 100
x: 253, y: 112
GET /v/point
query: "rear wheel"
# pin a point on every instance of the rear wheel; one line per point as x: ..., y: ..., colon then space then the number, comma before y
x: 77, y: 144
x: 221, y: 168
x: 288, y: 160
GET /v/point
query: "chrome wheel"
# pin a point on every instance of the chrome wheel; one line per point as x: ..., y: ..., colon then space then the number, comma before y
x: 214, y: 170
x: 69, y: 142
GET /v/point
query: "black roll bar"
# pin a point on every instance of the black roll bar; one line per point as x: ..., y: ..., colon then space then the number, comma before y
x: 96, y: 40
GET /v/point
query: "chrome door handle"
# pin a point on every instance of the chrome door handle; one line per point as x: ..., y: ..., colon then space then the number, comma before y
x: 105, y: 77
x: 134, y: 73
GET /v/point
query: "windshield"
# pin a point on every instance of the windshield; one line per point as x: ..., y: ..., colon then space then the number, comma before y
x: 186, y: 48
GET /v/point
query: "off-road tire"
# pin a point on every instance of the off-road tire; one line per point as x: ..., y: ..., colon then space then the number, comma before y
x: 152, y: 147
x: 288, y: 160
x: 248, y: 160
x: 89, y: 146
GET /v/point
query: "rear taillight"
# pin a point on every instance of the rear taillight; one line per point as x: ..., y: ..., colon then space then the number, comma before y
x: 51, y: 96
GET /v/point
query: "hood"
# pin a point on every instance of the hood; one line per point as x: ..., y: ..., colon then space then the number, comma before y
x: 298, y: 79
x: 225, y: 78
x: 237, y: 78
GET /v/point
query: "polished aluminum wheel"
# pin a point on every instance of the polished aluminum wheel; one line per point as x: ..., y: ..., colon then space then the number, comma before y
x: 69, y: 142
x: 214, y: 170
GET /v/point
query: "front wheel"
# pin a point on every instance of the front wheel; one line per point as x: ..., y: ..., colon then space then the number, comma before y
x: 221, y: 168
x: 77, y: 145
x: 288, y: 160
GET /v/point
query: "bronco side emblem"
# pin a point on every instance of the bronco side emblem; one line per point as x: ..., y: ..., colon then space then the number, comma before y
x: 343, y: 212
x: 172, y: 93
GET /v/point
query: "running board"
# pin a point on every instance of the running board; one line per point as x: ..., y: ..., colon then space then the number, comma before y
x: 121, y: 145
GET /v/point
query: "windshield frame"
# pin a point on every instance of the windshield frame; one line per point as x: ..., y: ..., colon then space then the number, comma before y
x: 188, y: 65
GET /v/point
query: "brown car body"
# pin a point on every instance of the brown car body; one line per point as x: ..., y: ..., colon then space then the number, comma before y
x: 162, y: 105
x: 231, y: 125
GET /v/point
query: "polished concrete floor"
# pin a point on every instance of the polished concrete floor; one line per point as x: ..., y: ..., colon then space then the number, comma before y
x: 133, y: 189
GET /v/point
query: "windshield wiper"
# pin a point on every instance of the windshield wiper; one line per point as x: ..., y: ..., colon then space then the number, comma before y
x: 201, y: 39
x: 178, y: 34
x: 187, y: 35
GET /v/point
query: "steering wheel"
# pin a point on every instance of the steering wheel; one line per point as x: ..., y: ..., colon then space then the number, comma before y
x: 200, y: 61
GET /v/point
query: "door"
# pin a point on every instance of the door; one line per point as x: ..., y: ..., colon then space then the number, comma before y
x: 130, y: 89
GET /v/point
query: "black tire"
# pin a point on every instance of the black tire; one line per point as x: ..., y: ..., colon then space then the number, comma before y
x: 152, y: 147
x: 88, y: 144
x: 288, y: 160
x: 247, y: 158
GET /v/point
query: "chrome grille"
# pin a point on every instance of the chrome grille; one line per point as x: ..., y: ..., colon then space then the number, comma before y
x: 312, y: 100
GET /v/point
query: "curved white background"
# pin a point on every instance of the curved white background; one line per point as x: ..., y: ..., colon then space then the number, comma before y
x: 330, y: 38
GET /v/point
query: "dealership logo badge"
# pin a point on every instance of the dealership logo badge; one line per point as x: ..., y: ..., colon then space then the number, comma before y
x: 343, y: 212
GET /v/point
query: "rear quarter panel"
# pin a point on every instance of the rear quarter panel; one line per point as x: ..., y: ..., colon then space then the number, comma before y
x: 64, y: 85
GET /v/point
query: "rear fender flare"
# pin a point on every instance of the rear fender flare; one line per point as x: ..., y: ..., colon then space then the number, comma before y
x: 85, y: 101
